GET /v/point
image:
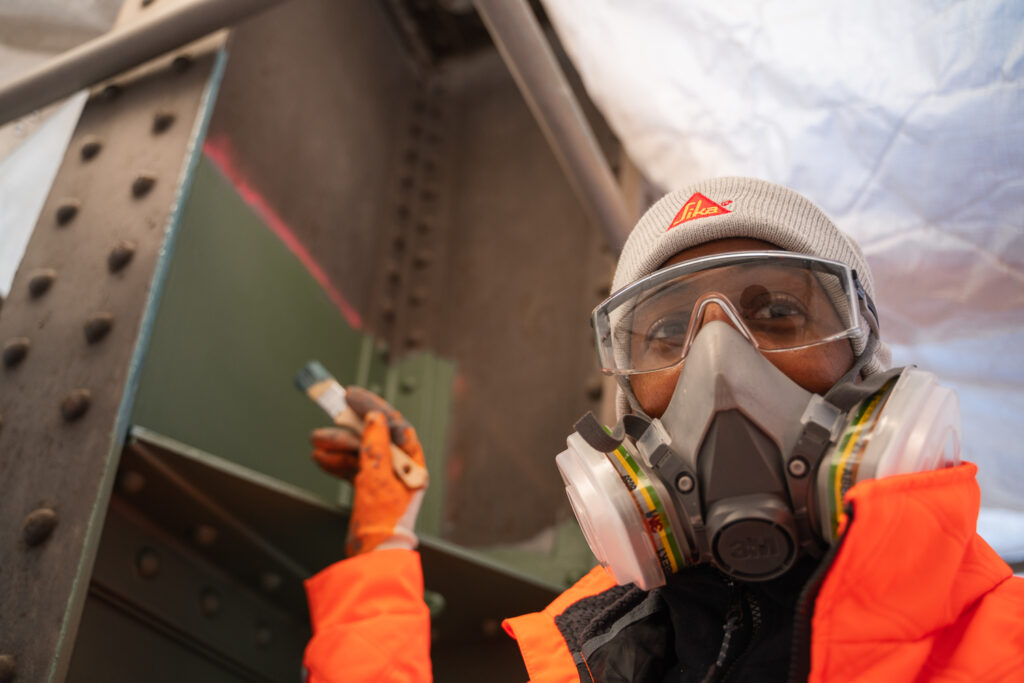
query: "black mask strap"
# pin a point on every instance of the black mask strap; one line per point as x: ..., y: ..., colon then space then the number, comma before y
x: 606, y: 441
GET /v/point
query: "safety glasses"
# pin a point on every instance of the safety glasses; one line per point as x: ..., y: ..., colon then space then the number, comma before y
x: 778, y: 300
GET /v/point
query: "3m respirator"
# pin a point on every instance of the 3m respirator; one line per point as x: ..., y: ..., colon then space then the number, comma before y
x: 745, y: 469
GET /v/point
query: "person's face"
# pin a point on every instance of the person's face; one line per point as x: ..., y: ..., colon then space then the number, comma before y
x: 815, y: 369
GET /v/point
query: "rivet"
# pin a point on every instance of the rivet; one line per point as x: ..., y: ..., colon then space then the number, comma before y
x: 15, y: 351
x: 428, y: 196
x: 75, y: 404
x: 40, y: 280
x: 414, y: 339
x: 270, y: 581
x: 418, y: 296
x: 798, y: 467
x: 209, y: 602
x: 407, y: 385
x: 415, y: 130
x: 131, y: 482
x: 423, y: 258
x: 8, y: 669
x: 402, y: 212
x: 112, y: 92
x: 205, y: 535
x: 684, y: 483
x: 264, y: 636
x: 120, y: 256
x: 142, y: 184
x: 387, y: 309
x: 490, y: 627
x: 398, y: 244
x: 38, y: 526
x: 97, y: 327
x: 67, y: 211
x: 162, y: 121
x: 423, y: 228
x: 91, y: 146
x: 406, y: 182
x: 181, y: 63
x: 595, y: 388
x: 411, y: 155
x: 147, y: 563
x: 429, y: 166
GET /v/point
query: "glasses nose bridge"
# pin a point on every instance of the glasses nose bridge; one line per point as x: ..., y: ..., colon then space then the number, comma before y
x: 716, y: 306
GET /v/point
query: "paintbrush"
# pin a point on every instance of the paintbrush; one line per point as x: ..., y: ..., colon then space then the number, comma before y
x: 314, y: 381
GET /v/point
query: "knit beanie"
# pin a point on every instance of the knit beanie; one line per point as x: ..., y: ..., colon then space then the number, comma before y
x: 740, y: 207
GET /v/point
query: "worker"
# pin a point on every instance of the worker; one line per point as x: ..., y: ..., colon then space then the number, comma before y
x: 774, y: 503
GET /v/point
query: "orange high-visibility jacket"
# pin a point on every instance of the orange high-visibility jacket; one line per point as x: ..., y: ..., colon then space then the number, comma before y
x: 913, y: 594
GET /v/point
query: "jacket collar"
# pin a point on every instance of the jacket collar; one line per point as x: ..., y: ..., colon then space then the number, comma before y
x: 910, y: 561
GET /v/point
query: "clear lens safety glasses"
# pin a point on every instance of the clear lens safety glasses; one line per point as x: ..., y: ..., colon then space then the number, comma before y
x: 780, y: 301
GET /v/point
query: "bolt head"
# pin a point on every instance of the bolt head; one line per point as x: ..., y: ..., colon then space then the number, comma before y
x: 131, y: 482
x: 120, y: 256
x: 264, y: 636
x: 40, y: 280
x: 15, y: 350
x: 38, y: 526
x: 91, y: 146
x: 67, y: 211
x: 209, y: 602
x: 181, y: 63
x: 205, y: 535
x: 798, y: 467
x: 147, y: 563
x: 142, y: 184
x: 8, y: 668
x: 684, y: 483
x: 162, y: 121
x: 97, y: 327
x: 75, y: 404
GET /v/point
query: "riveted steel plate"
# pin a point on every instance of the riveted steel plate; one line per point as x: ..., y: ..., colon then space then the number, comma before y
x: 106, y: 231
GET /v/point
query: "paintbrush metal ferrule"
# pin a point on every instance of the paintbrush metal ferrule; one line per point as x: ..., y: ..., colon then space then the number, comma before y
x: 329, y: 395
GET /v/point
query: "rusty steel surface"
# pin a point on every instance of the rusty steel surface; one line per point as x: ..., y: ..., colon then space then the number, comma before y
x: 434, y: 205
x: 100, y: 242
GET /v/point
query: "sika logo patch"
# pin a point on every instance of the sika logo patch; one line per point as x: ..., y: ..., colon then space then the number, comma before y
x: 698, y: 206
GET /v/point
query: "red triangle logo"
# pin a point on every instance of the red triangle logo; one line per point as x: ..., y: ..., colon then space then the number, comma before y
x: 697, y: 206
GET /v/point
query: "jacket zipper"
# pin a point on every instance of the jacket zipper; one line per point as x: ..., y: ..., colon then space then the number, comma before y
x: 800, y: 652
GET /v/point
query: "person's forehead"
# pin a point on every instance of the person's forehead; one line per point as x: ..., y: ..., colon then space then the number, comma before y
x: 722, y: 246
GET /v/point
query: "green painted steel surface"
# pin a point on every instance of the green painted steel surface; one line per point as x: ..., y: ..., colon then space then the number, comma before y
x: 239, y: 317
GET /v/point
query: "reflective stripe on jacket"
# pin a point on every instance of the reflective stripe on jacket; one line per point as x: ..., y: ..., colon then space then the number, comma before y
x: 913, y: 594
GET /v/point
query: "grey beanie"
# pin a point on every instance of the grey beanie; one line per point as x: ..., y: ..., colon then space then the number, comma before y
x: 740, y: 207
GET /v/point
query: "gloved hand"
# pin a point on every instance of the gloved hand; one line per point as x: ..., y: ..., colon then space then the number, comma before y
x: 384, y: 509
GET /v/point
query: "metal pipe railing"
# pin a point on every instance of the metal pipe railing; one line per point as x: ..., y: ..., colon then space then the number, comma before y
x: 121, y: 49
x: 522, y: 44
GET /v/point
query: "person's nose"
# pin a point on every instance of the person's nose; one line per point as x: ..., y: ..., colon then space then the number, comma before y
x: 713, y: 311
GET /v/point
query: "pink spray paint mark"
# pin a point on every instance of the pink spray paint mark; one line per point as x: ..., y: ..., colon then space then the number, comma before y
x: 218, y: 150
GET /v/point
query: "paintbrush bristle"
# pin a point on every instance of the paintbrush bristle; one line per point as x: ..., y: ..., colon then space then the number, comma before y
x: 312, y: 373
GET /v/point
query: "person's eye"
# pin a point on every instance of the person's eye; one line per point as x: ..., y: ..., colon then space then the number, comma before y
x: 667, y: 333
x: 774, y: 307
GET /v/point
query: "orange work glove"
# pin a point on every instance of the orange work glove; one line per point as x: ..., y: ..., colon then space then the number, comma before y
x: 384, y: 509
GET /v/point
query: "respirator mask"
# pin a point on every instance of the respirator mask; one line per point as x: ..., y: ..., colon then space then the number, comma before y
x: 745, y: 469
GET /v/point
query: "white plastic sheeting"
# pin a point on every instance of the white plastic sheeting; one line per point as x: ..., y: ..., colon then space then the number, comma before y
x: 903, y: 121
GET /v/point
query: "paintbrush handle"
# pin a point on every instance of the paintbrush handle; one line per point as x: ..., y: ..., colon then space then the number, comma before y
x: 412, y: 474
